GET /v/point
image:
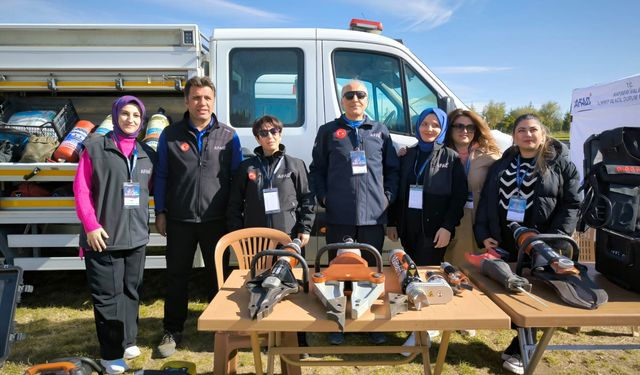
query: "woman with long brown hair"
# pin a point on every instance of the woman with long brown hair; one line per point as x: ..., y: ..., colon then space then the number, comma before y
x: 469, y: 135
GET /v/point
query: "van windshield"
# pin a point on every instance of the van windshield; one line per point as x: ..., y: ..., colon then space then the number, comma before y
x: 395, y: 90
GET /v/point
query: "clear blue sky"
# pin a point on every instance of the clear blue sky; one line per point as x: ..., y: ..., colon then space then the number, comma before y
x: 511, y: 51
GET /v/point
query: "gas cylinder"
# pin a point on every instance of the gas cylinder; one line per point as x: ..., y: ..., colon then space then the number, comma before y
x: 69, y: 149
x: 105, y: 126
x: 156, y: 124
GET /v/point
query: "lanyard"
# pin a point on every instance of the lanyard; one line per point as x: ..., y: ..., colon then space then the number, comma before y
x: 131, y: 162
x: 520, y: 178
x: 467, y: 166
x: 356, y: 147
x: 268, y: 177
x: 424, y: 165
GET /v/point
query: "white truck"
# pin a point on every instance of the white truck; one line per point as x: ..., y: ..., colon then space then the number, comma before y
x: 295, y: 74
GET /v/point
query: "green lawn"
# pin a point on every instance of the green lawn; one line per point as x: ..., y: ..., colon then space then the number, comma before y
x: 561, y: 136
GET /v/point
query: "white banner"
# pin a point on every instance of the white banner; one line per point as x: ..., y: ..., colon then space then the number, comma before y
x: 624, y: 92
x: 602, y: 107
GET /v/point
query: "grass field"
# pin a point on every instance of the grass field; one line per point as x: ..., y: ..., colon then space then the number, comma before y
x: 58, y: 320
x: 561, y: 135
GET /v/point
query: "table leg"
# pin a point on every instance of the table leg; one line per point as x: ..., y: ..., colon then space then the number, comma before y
x: 255, y: 347
x: 423, y: 338
x: 270, y: 357
x: 289, y: 339
x: 442, y: 352
x: 540, y: 348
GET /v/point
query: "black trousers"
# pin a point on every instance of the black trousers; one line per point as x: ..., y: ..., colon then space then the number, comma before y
x: 115, y: 280
x: 182, y: 241
x: 369, y: 234
x: 421, y: 250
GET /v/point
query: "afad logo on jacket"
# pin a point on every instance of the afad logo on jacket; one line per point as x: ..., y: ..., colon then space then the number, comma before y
x: 184, y: 146
x: 252, y: 174
x: 340, y: 133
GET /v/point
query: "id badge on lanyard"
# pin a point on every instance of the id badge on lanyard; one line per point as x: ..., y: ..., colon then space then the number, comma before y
x: 467, y: 167
x: 270, y: 195
x: 469, y: 202
x: 415, y: 196
x: 131, y: 194
x: 271, y: 200
x: 517, y: 204
x: 130, y: 189
x: 358, y: 162
x: 517, y: 207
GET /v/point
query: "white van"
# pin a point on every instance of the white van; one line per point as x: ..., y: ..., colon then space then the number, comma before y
x: 297, y: 75
x: 294, y: 74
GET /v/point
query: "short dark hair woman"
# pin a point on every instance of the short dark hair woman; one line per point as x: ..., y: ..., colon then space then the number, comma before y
x: 271, y: 189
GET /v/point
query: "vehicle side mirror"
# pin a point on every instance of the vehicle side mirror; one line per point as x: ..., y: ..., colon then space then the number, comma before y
x: 449, y: 103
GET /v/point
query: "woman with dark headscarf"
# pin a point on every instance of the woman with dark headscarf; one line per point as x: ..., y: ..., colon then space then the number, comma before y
x: 111, y: 189
x: 432, y: 194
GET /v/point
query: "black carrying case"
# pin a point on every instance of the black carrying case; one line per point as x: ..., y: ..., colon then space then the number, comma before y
x: 618, y: 258
x: 612, y: 203
x: 10, y: 283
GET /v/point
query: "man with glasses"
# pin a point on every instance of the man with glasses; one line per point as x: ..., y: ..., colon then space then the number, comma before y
x: 197, y: 157
x: 354, y: 175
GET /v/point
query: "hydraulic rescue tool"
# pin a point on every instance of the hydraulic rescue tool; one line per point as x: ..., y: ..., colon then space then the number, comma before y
x: 348, y: 267
x: 566, y: 276
x: 418, y: 291
x: 273, y: 285
x: 456, y: 279
x: 66, y: 366
x: 497, y: 269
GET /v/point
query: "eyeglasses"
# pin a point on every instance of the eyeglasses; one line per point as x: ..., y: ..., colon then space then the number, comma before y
x: 265, y: 133
x: 350, y: 94
x: 471, y: 128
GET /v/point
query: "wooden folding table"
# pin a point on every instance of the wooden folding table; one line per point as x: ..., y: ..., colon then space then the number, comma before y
x: 623, y: 309
x: 305, y: 313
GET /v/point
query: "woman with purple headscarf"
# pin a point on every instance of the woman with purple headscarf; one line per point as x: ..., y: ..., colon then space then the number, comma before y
x: 432, y: 194
x: 111, y: 189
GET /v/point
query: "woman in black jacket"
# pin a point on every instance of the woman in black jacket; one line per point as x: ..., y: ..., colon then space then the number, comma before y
x: 534, y: 184
x: 537, y: 172
x: 432, y: 194
x: 271, y: 189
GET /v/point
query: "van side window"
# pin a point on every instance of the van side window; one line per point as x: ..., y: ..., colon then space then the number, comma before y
x: 420, y: 95
x: 266, y: 81
x: 381, y: 75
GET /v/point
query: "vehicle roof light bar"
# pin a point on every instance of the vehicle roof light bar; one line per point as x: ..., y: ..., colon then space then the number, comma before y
x: 366, y: 26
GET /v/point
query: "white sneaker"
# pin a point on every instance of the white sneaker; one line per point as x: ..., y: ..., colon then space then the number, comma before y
x: 411, y: 341
x: 505, y: 356
x: 514, y: 364
x: 115, y: 366
x: 132, y: 352
x: 465, y: 333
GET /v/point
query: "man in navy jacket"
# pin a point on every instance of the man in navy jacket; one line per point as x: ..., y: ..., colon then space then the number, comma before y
x: 355, y: 174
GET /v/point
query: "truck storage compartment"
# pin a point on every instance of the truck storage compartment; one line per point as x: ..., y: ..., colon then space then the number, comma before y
x: 62, y: 119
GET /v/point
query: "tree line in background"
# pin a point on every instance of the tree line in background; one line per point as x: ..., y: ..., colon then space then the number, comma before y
x: 497, y: 116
